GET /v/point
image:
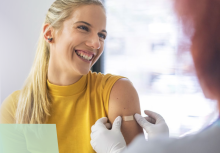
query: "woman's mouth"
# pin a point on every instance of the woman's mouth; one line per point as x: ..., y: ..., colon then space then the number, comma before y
x: 84, y: 55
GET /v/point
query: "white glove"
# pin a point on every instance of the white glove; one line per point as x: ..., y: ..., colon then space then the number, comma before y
x: 154, y: 125
x: 107, y: 141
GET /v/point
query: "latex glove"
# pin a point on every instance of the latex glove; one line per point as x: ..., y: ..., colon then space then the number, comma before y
x: 107, y: 141
x: 154, y: 125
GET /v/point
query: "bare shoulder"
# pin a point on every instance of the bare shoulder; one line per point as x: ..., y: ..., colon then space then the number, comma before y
x: 124, y: 97
x: 124, y: 101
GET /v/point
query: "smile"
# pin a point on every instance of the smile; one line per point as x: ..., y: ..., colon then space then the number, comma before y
x: 84, y: 55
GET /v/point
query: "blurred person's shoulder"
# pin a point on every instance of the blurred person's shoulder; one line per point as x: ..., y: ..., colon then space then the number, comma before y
x: 205, y: 141
x: 8, y: 108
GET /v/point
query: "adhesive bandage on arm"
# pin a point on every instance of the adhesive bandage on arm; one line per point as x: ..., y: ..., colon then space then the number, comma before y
x: 128, y: 118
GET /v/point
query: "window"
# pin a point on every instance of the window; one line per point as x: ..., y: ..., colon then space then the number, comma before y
x: 142, y: 45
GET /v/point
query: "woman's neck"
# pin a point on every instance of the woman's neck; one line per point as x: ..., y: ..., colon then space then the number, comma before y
x: 62, y: 78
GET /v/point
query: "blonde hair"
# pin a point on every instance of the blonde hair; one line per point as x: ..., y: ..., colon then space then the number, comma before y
x: 34, y: 100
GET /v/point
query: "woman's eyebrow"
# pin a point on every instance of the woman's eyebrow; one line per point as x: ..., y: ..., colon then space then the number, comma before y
x: 89, y: 25
x: 84, y: 23
x: 104, y: 31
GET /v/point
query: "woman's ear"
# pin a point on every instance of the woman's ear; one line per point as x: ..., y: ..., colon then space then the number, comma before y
x: 48, y: 33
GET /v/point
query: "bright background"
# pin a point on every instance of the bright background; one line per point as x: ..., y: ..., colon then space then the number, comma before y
x: 20, y: 26
x: 142, y: 45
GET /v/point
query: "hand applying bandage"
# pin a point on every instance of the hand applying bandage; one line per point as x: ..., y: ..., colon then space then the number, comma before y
x: 107, y: 141
x: 154, y: 124
x: 112, y: 141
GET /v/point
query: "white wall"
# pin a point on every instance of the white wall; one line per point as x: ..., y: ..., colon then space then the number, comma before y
x: 20, y: 25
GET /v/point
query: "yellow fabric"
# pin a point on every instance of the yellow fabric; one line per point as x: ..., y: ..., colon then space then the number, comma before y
x: 75, y: 108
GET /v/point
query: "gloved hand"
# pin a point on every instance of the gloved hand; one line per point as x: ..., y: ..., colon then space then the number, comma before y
x: 154, y: 125
x: 107, y: 141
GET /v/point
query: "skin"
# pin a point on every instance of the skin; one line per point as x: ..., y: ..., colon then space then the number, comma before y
x: 85, y: 30
x: 124, y: 101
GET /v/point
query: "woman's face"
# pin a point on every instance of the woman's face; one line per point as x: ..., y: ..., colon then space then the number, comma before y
x: 80, y: 42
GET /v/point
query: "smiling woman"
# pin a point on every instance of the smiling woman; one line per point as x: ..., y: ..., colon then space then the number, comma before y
x: 62, y: 90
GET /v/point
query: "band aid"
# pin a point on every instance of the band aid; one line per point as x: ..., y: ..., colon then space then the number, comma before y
x: 128, y: 118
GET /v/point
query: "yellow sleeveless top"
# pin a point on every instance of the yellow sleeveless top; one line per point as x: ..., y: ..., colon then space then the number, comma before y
x: 75, y: 108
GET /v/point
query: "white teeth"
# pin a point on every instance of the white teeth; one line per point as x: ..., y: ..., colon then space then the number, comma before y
x: 84, y: 56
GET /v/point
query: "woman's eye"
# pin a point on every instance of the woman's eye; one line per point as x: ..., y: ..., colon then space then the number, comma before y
x: 83, y: 28
x: 101, y: 35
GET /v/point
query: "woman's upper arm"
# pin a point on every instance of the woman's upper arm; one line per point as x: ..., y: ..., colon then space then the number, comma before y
x: 124, y: 101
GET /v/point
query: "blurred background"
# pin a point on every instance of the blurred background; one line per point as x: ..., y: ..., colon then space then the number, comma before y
x: 142, y: 44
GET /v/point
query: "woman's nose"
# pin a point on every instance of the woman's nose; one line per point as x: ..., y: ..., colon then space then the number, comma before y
x: 94, y: 42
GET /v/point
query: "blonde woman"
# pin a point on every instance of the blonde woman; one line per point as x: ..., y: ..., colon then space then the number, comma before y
x: 62, y: 90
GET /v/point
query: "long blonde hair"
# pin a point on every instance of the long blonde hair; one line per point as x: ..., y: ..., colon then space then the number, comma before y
x: 34, y: 100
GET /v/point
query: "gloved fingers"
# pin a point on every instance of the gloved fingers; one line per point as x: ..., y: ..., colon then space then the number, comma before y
x: 99, y: 124
x: 98, y: 127
x: 150, y: 119
x: 143, y: 122
x: 95, y: 128
x: 102, y: 120
x: 93, y: 144
x: 117, y: 123
x: 108, y: 125
x: 157, y: 117
x: 93, y: 135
